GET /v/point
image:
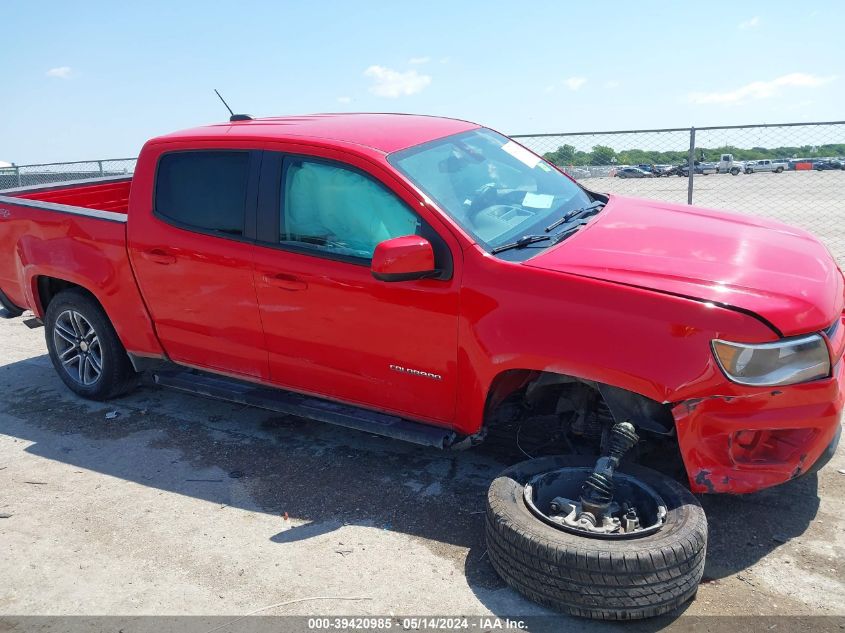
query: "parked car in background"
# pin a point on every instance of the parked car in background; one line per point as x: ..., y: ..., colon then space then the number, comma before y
x: 764, y: 165
x: 633, y: 172
x: 577, y: 172
x: 824, y: 165
x: 662, y: 170
x: 800, y: 164
x: 727, y: 165
x: 700, y: 168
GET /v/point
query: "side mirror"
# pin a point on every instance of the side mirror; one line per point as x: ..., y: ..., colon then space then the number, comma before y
x: 403, y: 259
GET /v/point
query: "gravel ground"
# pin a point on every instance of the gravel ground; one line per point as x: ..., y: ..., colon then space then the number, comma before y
x: 181, y: 505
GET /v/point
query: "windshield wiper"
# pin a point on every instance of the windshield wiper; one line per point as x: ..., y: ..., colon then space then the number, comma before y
x: 522, y: 242
x: 590, y: 209
x: 527, y: 240
x: 567, y: 232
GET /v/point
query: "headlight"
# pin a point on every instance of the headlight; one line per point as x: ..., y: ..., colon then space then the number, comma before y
x: 780, y: 363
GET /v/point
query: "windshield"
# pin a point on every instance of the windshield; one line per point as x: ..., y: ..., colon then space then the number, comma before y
x: 493, y: 187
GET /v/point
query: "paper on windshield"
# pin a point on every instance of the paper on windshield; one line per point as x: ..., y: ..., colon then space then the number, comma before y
x: 521, y: 154
x: 538, y: 200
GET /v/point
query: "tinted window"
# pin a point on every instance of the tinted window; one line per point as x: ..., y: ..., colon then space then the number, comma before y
x: 203, y: 190
x: 340, y: 211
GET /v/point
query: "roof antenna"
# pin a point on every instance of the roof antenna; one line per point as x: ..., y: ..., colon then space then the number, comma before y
x: 234, y: 117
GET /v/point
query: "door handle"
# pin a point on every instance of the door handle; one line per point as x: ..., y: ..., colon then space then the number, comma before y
x: 159, y: 256
x: 285, y: 282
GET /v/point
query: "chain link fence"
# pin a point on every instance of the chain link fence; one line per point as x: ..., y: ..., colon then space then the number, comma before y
x: 28, y: 175
x: 794, y: 173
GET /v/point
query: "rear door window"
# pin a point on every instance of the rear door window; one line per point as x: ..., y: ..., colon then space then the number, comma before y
x: 203, y: 190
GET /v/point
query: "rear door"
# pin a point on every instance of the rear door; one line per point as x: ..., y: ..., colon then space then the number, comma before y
x: 330, y: 327
x: 192, y: 249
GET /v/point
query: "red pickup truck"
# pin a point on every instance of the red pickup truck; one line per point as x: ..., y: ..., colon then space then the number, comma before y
x: 429, y: 279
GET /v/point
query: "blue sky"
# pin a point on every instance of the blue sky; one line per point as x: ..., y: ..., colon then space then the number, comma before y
x: 96, y: 79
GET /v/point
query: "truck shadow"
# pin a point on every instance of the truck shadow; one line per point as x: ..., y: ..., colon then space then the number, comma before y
x: 316, y: 478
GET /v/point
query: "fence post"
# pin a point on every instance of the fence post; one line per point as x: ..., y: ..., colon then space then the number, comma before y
x: 691, y: 163
x: 18, y: 174
x: 100, y: 165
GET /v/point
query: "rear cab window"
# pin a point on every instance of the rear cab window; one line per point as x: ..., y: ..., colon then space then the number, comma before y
x: 204, y: 191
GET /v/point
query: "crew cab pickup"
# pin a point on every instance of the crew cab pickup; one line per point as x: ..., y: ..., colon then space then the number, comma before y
x: 430, y: 279
x: 764, y: 165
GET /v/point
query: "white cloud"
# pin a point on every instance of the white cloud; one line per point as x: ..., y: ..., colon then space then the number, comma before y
x: 419, y: 60
x: 760, y: 89
x: 575, y: 83
x: 753, y: 23
x: 344, y: 99
x: 800, y: 105
x: 392, y: 83
x: 612, y: 84
x: 62, y: 72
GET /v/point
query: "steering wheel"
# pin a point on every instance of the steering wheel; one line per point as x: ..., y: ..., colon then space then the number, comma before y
x: 485, y: 196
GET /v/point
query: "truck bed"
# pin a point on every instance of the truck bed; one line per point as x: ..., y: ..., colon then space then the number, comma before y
x: 74, y: 232
x: 101, y: 194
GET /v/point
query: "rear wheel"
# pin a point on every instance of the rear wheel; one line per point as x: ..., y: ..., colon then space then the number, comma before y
x: 85, y: 349
x: 642, y: 574
x: 11, y: 309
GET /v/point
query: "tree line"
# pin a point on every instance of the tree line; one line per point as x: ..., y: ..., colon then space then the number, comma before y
x: 604, y: 155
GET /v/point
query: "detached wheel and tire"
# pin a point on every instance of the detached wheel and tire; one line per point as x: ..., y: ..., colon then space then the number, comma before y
x: 602, y: 576
x: 85, y: 349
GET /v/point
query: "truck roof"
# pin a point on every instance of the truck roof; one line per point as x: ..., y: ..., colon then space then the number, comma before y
x: 383, y: 132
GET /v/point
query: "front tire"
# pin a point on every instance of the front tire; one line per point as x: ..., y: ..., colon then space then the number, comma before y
x: 590, y: 577
x: 84, y: 348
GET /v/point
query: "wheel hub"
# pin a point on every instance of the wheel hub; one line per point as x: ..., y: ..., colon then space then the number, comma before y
x: 554, y: 498
x: 77, y: 346
x: 609, y: 504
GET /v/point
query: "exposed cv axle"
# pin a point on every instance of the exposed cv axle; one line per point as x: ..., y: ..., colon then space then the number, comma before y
x: 587, y: 505
x: 597, y: 491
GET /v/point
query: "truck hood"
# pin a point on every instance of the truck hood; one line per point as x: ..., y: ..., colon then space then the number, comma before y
x: 778, y: 272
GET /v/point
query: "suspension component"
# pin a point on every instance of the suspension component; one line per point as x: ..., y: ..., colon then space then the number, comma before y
x: 597, y: 490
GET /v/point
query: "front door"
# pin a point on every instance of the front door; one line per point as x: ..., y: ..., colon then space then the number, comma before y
x: 330, y: 327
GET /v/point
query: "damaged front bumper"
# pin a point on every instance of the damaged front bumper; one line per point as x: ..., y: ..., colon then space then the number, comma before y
x: 757, y: 438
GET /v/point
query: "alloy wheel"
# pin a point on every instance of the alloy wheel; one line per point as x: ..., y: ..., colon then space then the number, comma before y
x: 78, y: 347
